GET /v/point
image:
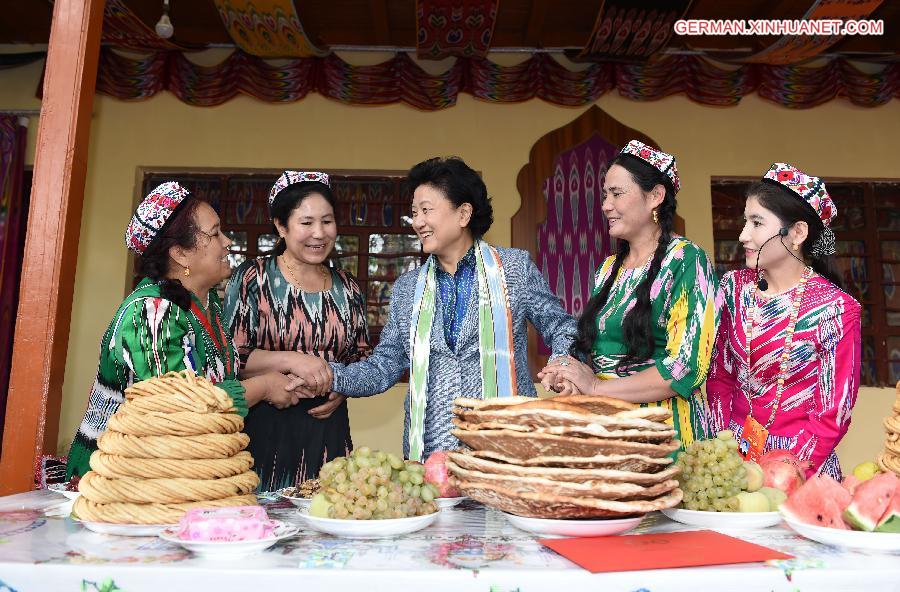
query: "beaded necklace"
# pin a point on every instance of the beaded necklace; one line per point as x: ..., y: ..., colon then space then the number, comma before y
x: 749, y: 324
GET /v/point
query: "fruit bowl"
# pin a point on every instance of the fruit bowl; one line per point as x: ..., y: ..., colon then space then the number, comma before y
x: 227, y: 550
x: 726, y: 520
x: 300, y: 502
x: 368, y: 529
x: 63, y: 489
x: 573, y: 527
x: 448, y: 502
x: 853, y: 539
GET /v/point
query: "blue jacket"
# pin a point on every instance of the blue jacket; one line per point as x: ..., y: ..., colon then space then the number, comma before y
x: 452, y: 375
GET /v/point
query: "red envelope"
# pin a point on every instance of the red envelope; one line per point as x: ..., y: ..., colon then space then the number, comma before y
x: 659, y: 551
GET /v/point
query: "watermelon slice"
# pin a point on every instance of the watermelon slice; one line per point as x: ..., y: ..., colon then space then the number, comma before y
x: 850, y: 483
x: 890, y: 521
x: 871, y: 500
x: 820, y: 502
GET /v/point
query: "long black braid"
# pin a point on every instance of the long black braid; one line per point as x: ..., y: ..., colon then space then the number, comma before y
x: 636, y: 327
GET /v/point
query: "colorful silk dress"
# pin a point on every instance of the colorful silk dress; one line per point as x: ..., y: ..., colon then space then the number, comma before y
x: 683, y: 322
x: 823, y: 371
x: 149, y: 336
x: 265, y: 311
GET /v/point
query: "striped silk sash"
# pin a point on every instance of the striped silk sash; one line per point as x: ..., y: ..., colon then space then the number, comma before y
x: 495, y: 337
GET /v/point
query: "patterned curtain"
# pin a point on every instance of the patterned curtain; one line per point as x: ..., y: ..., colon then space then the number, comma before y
x: 574, y: 239
x: 13, y: 216
x: 401, y: 80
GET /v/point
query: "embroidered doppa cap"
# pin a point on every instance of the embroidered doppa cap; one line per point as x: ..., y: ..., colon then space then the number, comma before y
x: 152, y: 214
x: 289, y: 178
x: 661, y: 161
x: 810, y: 189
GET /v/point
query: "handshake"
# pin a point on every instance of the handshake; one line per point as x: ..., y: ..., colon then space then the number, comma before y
x: 302, y: 376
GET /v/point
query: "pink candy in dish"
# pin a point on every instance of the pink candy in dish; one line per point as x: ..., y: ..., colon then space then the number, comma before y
x: 243, y: 523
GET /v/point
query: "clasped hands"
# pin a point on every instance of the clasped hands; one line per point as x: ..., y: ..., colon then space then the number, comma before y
x: 566, y: 375
x: 305, y: 377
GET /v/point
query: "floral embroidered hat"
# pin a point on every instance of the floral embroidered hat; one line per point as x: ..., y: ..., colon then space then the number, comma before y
x: 812, y: 191
x: 289, y: 178
x: 662, y: 161
x: 152, y: 214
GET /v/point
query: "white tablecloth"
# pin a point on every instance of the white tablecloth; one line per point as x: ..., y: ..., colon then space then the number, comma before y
x: 470, y: 547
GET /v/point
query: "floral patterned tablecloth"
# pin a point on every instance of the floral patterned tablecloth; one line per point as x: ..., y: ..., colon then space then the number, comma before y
x: 470, y: 547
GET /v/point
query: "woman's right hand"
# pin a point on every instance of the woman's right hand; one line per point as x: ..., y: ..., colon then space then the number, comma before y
x: 315, y: 372
x: 278, y: 393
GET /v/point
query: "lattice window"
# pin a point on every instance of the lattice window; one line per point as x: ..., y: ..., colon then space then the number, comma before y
x: 868, y: 255
x: 375, y: 241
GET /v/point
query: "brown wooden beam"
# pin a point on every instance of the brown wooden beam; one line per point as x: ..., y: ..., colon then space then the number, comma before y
x: 381, y: 22
x: 535, y: 23
x: 51, y: 244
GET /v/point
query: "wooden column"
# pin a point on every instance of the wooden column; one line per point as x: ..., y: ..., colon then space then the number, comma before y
x: 51, y: 244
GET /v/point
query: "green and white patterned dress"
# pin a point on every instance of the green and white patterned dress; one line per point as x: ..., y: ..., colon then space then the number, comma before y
x: 683, y: 322
x: 149, y: 336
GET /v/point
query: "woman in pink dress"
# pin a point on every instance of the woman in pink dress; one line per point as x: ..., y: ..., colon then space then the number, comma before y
x: 788, y: 345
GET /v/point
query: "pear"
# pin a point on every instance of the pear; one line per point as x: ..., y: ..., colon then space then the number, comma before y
x: 776, y: 497
x: 865, y: 471
x: 319, y: 506
x: 755, y: 476
x: 753, y: 501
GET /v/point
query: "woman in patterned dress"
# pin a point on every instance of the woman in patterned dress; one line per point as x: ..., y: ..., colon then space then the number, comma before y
x: 459, y: 322
x: 290, y: 312
x: 172, y: 320
x: 650, y: 322
x: 788, y: 346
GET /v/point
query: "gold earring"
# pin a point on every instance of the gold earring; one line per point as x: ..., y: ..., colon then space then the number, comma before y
x: 187, y: 271
x: 796, y: 247
x: 655, y: 217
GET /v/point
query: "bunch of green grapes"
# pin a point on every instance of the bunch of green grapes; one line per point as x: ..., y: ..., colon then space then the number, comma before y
x: 712, y: 474
x: 375, y: 485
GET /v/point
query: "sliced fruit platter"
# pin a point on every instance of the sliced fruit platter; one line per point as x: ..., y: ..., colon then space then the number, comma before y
x: 721, y: 490
x: 861, y: 515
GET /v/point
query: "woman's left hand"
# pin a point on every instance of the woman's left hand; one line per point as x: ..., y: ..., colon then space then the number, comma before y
x: 325, y: 410
x: 568, y: 369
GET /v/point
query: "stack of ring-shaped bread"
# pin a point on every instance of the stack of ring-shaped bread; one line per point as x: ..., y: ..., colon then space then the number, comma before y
x: 174, y: 444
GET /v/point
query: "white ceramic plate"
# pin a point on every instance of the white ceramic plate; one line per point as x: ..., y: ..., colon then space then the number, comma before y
x: 854, y: 539
x: 300, y: 502
x: 136, y: 530
x: 448, y: 502
x: 736, y: 520
x: 61, y: 488
x: 368, y: 529
x: 230, y: 549
x: 573, y: 527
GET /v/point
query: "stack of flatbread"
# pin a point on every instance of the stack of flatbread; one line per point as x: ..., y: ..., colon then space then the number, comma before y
x: 571, y: 456
x: 889, y: 459
x: 175, y: 444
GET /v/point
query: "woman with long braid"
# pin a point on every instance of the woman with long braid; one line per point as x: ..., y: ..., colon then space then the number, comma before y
x: 650, y: 323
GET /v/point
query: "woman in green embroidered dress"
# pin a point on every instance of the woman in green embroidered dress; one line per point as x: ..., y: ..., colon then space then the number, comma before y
x: 651, y: 321
x: 172, y: 320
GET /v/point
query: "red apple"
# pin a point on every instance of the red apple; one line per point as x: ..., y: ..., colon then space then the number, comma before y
x: 436, y: 474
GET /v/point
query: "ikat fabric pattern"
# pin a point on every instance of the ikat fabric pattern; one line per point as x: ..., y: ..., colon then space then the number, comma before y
x: 683, y: 323
x: 574, y: 238
x: 823, y: 383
